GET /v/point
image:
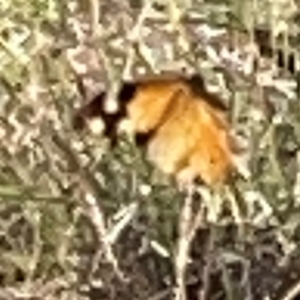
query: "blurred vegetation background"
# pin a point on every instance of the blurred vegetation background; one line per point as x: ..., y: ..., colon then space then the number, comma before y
x: 80, y: 222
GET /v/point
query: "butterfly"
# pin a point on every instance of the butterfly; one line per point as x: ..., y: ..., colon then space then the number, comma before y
x: 182, y: 126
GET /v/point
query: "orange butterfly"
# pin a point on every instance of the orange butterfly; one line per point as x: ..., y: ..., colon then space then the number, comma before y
x: 182, y: 125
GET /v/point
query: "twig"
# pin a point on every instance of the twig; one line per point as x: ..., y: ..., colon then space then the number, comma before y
x: 175, y: 19
x: 183, y: 248
x: 18, y: 192
x: 90, y: 188
x: 135, y: 37
x: 203, y: 293
x: 292, y: 292
x: 126, y: 218
x: 22, y: 59
x: 94, y: 16
x: 97, y: 216
x: 161, y: 295
x: 181, y: 259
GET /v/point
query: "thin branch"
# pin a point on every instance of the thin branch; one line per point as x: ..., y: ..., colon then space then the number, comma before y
x: 90, y: 187
x: 292, y: 292
x: 181, y: 259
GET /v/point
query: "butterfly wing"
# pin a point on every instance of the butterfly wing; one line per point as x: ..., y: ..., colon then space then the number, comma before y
x: 211, y: 158
x: 192, y: 142
x: 188, y: 130
x: 151, y: 103
x: 174, y: 140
